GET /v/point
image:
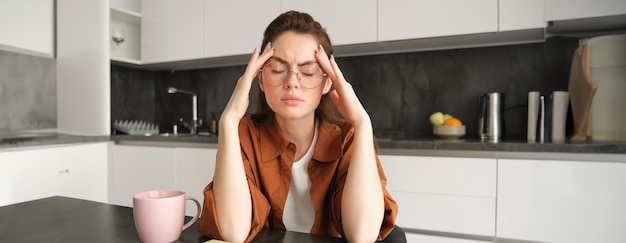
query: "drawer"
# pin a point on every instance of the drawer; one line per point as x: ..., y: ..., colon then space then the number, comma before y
x: 446, y: 213
x: 410, y: 238
x: 441, y: 175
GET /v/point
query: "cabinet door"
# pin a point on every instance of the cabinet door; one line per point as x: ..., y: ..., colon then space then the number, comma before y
x: 28, y: 175
x: 561, y: 201
x: 194, y: 170
x: 236, y: 27
x: 78, y: 171
x: 83, y: 172
x: 138, y: 168
x: 411, y: 19
x: 454, y: 195
x: 410, y: 237
x: 347, y: 22
x: 519, y: 15
x: 576, y: 9
x: 171, y: 30
x: 27, y: 26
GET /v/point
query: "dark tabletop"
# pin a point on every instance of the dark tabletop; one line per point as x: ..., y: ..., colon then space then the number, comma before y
x: 61, y: 219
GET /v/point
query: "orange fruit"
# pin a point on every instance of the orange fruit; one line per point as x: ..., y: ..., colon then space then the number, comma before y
x: 452, y: 122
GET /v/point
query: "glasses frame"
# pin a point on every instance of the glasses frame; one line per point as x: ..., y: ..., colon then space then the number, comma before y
x: 297, y: 73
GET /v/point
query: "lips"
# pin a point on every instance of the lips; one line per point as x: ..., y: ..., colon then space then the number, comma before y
x: 291, y: 99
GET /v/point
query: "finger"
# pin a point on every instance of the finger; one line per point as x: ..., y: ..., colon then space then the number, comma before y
x: 335, y: 67
x: 258, y: 59
x: 323, y: 61
x: 268, y: 52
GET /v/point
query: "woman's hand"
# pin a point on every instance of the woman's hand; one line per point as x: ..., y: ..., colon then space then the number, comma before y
x: 361, y: 222
x: 343, y: 95
x: 239, y: 100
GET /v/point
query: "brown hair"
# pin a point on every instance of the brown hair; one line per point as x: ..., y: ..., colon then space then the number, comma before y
x: 301, y: 23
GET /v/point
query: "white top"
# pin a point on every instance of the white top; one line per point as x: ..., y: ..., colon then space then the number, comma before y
x: 298, y: 214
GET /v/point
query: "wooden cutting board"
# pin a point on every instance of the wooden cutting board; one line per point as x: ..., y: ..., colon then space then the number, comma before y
x: 581, y: 91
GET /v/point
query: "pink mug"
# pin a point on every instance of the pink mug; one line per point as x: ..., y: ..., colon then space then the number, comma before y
x: 159, y: 215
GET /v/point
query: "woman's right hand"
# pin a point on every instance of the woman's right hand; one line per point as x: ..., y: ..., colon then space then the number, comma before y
x: 239, y: 100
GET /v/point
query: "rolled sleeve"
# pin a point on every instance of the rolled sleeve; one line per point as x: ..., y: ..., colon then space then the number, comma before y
x: 209, y: 225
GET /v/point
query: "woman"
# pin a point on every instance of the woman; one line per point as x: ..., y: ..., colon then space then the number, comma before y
x: 296, y: 164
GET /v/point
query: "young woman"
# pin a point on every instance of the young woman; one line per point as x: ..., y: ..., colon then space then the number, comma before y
x: 296, y: 164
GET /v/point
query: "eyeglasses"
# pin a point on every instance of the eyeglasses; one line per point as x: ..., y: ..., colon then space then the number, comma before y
x: 309, y: 75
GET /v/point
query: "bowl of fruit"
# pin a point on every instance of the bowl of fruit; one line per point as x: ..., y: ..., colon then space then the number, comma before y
x: 446, y: 125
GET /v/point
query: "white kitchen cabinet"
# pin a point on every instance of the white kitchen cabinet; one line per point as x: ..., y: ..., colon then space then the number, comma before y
x: 140, y: 168
x: 412, y: 19
x: 520, y: 15
x: 194, y: 170
x: 443, y: 194
x: 347, y: 22
x: 77, y: 171
x: 143, y: 168
x: 418, y: 238
x: 84, y: 172
x: 561, y: 201
x: 27, y: 26
x: 236, y: 27
x: 577, y: 9
x: 133, y: 6
x: 83, y: 67
x: 172, y: 30
x: 125, y: 23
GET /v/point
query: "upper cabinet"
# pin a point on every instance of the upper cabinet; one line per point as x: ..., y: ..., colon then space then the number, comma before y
x: 208, y: 33
x: 412, y: 19
x: 172, y: 30
x: 27, y: 27
x: 347, y: 22
x: 235, y: 27
x: 520, y: 15
x: 577, y: 9
x: 125, y: 31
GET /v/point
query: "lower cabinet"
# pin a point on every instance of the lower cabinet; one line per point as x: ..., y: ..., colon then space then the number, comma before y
x: 561, y: 201
x: 140, y: 168
x: 194, y: 170
x: 77, y: 171
x: 417, y: 238
x: 443, y: 195
x: 143, y: 168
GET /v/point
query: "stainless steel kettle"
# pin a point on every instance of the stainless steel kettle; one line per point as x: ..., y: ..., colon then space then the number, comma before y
x: 490, y: 120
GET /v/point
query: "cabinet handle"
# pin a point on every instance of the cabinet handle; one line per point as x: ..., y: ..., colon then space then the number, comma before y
x: 66, y: 171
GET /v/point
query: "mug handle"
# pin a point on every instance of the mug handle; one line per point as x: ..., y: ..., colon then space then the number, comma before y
x: 193, y: 220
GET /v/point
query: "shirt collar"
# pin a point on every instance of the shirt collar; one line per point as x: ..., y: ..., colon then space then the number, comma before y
x: 272, y: 141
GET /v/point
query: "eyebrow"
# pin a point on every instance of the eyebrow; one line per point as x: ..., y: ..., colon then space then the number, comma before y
x: 278, y: 59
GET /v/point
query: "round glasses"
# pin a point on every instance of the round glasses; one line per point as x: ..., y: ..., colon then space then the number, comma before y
x: 309, y: 75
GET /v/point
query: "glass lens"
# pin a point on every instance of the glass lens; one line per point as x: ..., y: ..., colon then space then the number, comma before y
x: 275, y: 73
x: 309, y: 75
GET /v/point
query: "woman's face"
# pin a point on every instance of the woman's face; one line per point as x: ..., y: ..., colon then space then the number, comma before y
x: 293, y: 53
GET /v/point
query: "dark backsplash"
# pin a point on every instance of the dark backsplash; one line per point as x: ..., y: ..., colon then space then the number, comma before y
x: 399, y: 91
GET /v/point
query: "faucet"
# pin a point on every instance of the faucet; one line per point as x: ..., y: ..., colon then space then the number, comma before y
x: 195, y: 122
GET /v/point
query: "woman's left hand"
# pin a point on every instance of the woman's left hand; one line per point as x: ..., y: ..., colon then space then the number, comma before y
x: 343, y: 94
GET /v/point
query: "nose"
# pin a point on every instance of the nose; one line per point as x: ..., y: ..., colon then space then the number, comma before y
x: 293, y: 81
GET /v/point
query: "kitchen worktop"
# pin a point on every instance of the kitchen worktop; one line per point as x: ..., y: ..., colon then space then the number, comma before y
x: 385, y: 145
x: 429, y: 143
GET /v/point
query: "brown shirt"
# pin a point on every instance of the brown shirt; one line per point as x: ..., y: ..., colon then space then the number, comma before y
x: 268, y: 157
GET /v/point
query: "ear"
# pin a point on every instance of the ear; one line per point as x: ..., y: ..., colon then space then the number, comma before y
x: 327, y: 85
x: 261, y: 83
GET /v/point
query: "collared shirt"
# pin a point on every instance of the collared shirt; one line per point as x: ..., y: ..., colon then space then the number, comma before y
x: 268, y: 157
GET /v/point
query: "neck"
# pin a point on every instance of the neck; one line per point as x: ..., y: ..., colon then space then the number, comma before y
x: 298, y: 131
